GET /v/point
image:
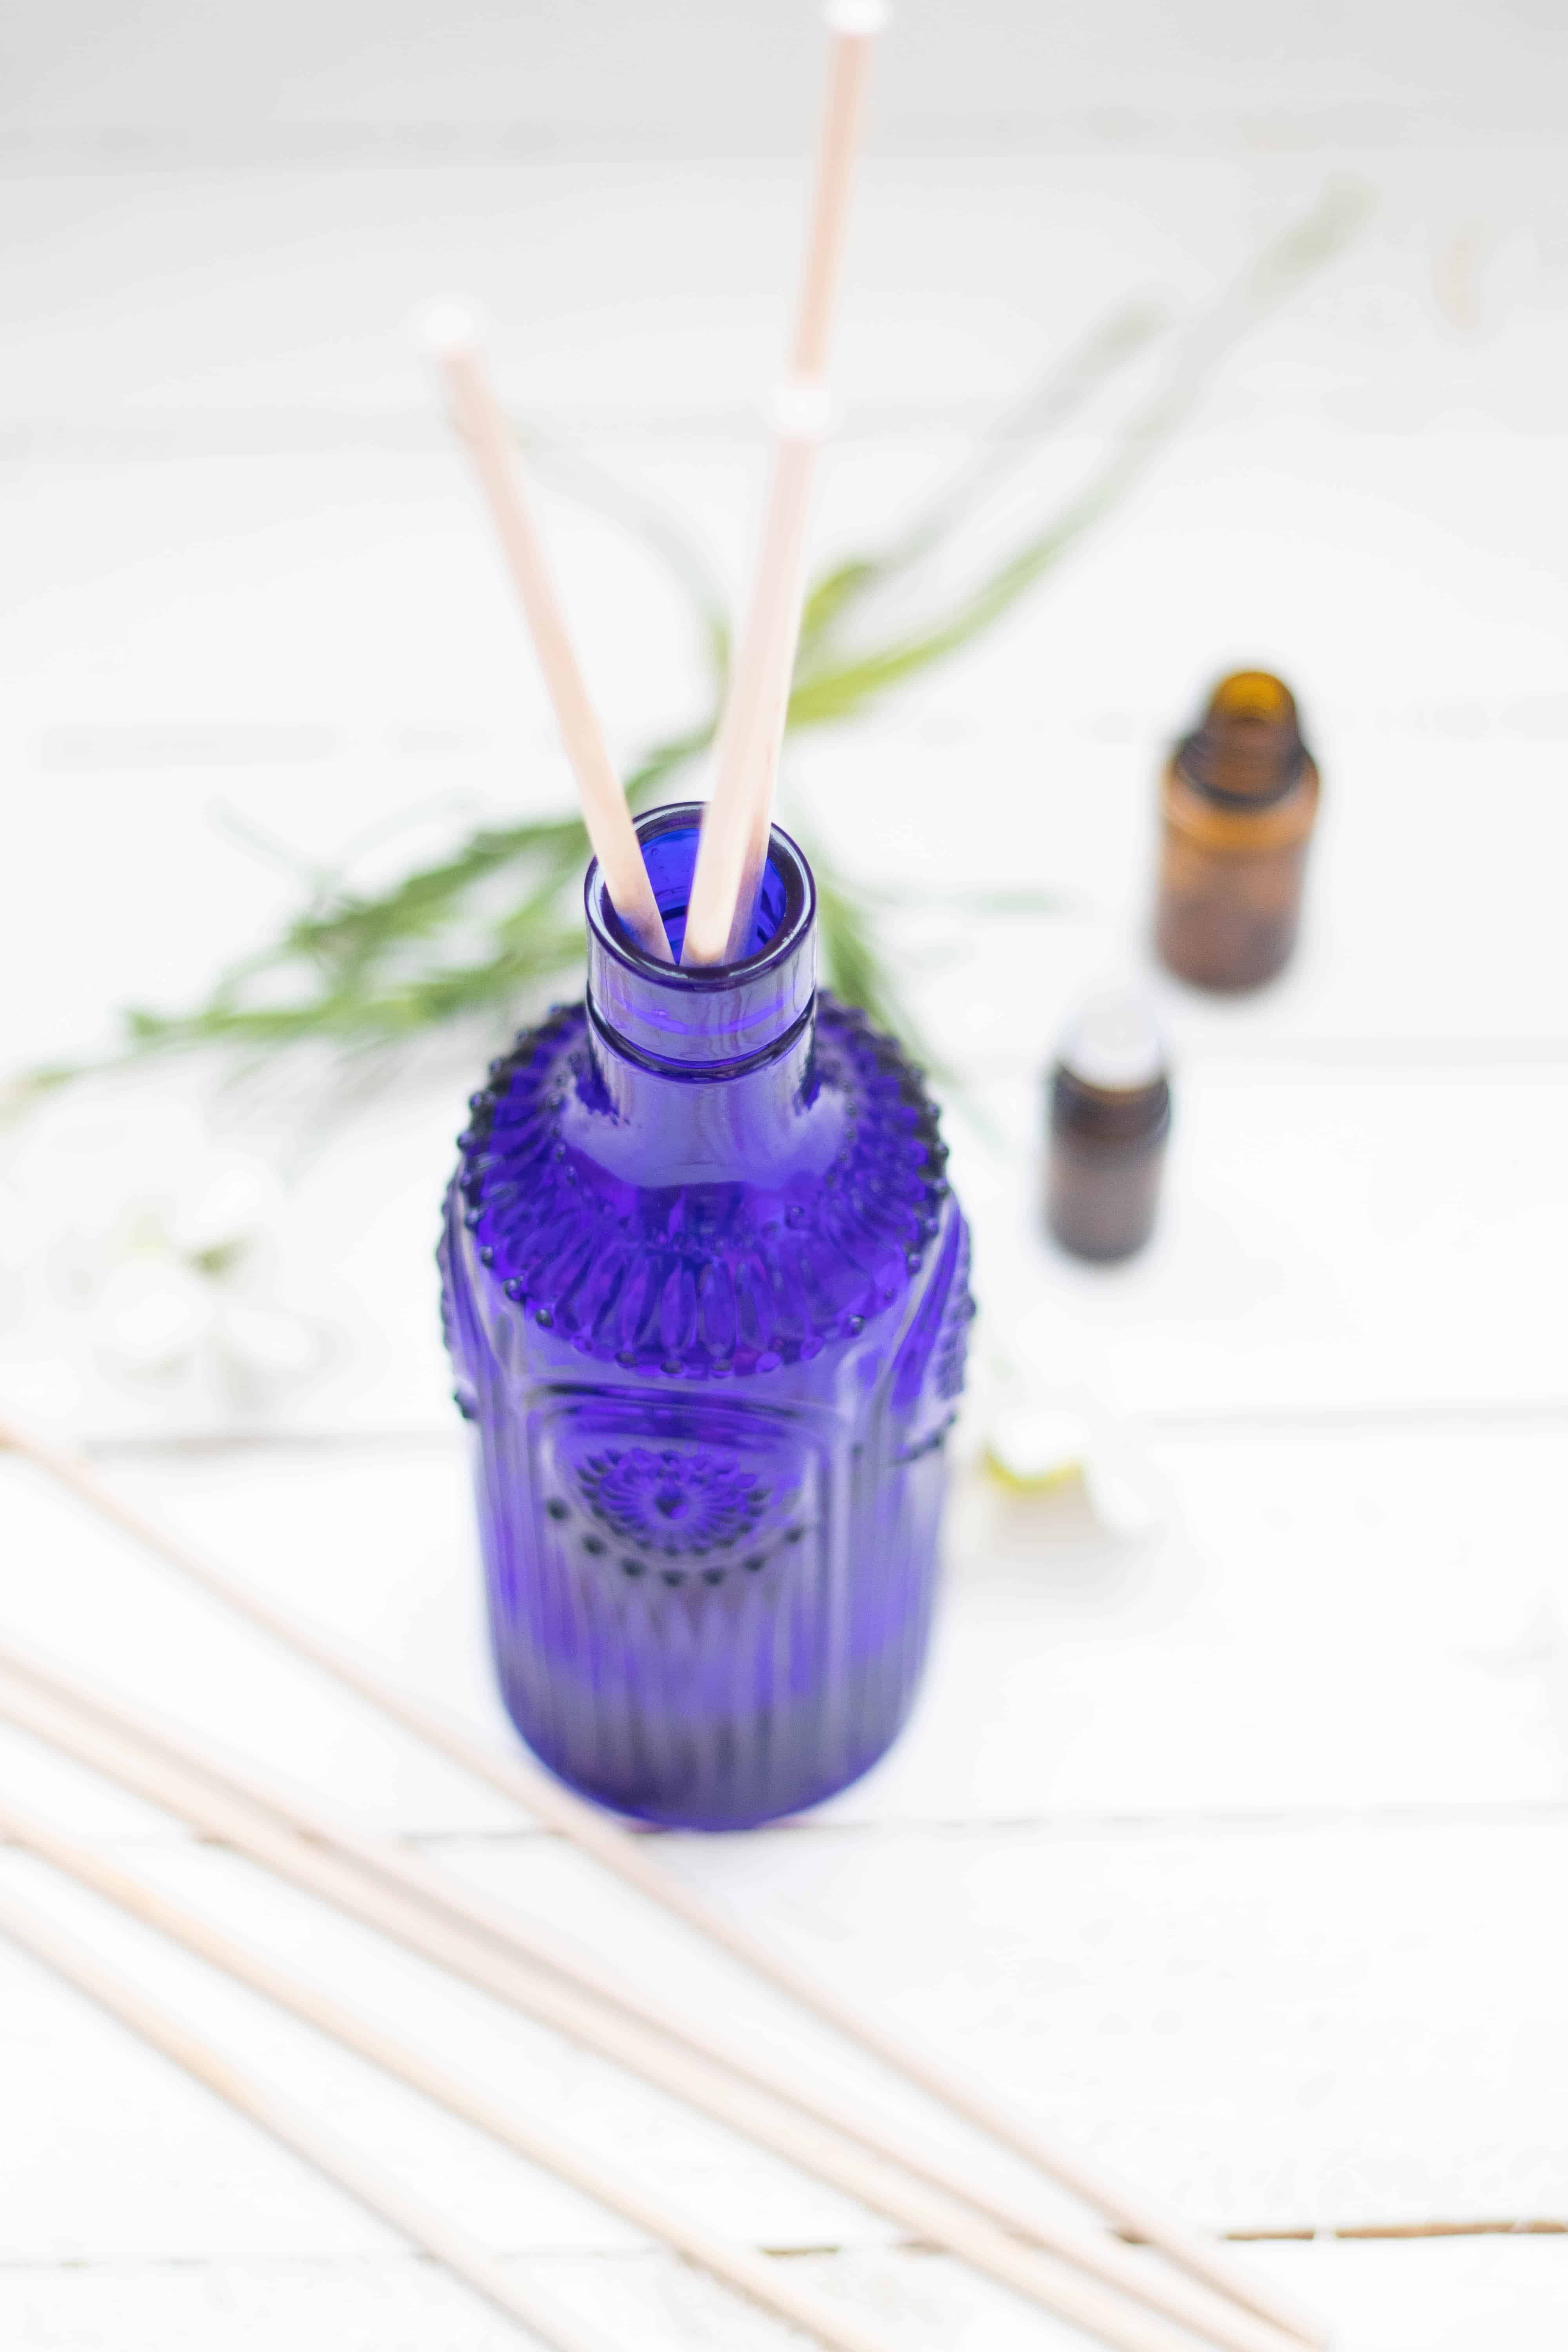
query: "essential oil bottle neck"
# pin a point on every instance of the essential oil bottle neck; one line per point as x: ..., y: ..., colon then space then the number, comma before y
x: 1248, y: 750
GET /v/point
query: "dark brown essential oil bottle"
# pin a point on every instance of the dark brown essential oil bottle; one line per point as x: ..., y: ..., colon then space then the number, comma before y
x: 1238, y: 799
x: 1110, y: 1117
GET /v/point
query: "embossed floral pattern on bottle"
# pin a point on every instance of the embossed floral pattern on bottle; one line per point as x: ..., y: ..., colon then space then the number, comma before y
x: 705, y: 1293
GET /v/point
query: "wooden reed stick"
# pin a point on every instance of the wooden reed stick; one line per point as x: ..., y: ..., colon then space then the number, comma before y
x: 297, y: 2130
x: 633, y: 1860
x: 1103, y: 2258
x: 853, y: 25
x: 931, y: 2218
x: 765, y: 2282
x: 732, y: 844
x: 611, y: 831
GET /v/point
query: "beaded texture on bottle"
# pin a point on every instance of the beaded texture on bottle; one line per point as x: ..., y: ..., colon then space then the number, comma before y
x: 711, y: 1420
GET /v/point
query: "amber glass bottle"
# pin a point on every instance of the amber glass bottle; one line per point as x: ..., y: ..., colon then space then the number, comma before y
x: 1239, y: 797
x: 1110, y: 1114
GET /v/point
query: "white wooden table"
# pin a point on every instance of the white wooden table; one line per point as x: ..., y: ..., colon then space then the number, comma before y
x: 1235, y: 1842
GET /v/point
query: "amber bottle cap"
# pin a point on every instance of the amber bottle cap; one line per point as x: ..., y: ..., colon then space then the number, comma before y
x: 1113, y: 1039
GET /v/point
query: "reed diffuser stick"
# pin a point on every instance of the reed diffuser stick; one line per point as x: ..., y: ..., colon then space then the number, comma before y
x: 765, y: 2282
x: 735, y: 825
x: 377, y: 2191
x: 450, y: 335
x: 733, y: 845
x: 853, y: 25
x: 178, y: 1791
x: 634, y: 1861
x: 1102, y: 2258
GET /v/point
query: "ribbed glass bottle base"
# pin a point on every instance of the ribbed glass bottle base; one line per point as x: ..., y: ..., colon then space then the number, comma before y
x: 717, y: 1696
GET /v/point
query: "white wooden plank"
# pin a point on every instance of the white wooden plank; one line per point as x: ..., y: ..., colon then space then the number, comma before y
x: 143, y: 2162
x: 1327, y: 1619
x: 1433, y: 2297
x: 1288, y: 2009
x: 1276, y: 2029
x: 273, y: 312
x: 614, y: 291
x: 1338, y: 2026
x: 396, y: 694
x: 367, y: 574
x: 1384, y: 969
x: 1324, y: 1621
x: 1445, y: 2296
x: 1126, y: 79
x: 381, y: 1545
x: 1332, y: 1240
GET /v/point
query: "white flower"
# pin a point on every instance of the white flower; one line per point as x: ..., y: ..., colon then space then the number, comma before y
x: 1037, y: 1440
x: 148, y: 1251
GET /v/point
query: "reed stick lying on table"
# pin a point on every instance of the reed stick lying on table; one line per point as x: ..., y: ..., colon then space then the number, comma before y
x: 292, y: 2126
x: 1102, y: 2257
x: 633, y: 1860
x: 209, y: 1789
x: 50, y: 1705
x: 765, y: 2282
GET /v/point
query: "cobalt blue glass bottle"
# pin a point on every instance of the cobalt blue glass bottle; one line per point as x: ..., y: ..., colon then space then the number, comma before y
x: 704, y: 1286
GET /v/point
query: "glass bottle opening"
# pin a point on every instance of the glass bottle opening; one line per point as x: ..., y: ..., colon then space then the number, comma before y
x: 669, y: 837
x: 708, y: 1014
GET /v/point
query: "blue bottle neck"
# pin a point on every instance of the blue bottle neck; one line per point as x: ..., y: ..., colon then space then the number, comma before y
x: 706, y: 1073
